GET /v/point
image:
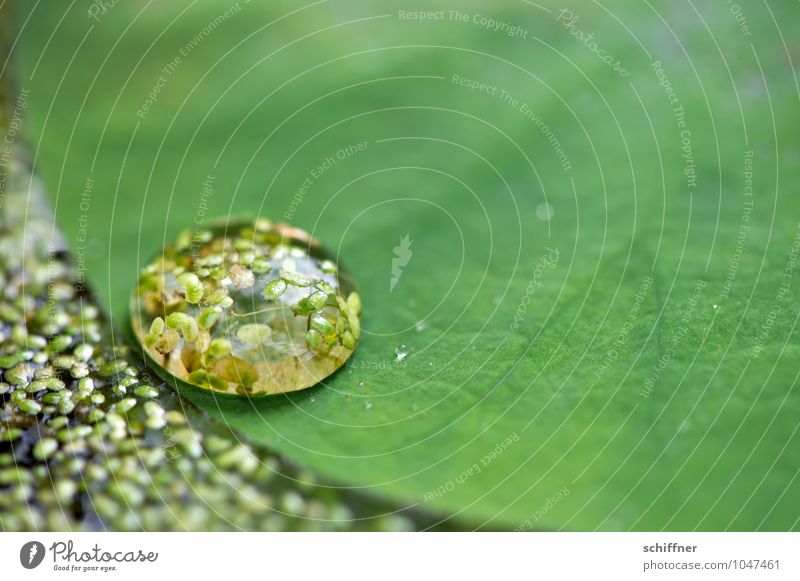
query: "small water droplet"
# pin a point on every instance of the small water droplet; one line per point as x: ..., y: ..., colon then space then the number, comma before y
x: 401, y: 351
x: 368, y: 405
x: 421, y: 326
x: 544, y: 212
x: 312, y: 399
x: 361, y: 384
x: 715, y: 307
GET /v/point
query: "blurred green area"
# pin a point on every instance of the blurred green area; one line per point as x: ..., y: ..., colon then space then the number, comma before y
x: 262, y: 94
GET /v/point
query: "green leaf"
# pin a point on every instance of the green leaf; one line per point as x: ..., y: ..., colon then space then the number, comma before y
x: 630, y: 363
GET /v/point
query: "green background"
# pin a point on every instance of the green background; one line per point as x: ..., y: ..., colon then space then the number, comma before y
x: 276, y: 88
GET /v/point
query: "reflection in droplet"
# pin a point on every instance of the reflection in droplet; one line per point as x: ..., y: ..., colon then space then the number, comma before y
x: 246, y: 307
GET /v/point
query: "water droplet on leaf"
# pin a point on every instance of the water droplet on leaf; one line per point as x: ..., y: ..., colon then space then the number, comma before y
x: 544, y: 212
x: 401, y: 351
x: 246, y: 308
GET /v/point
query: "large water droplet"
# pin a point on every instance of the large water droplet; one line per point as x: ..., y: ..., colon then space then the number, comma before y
x: 246, y: 307
x: 401, y: 352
